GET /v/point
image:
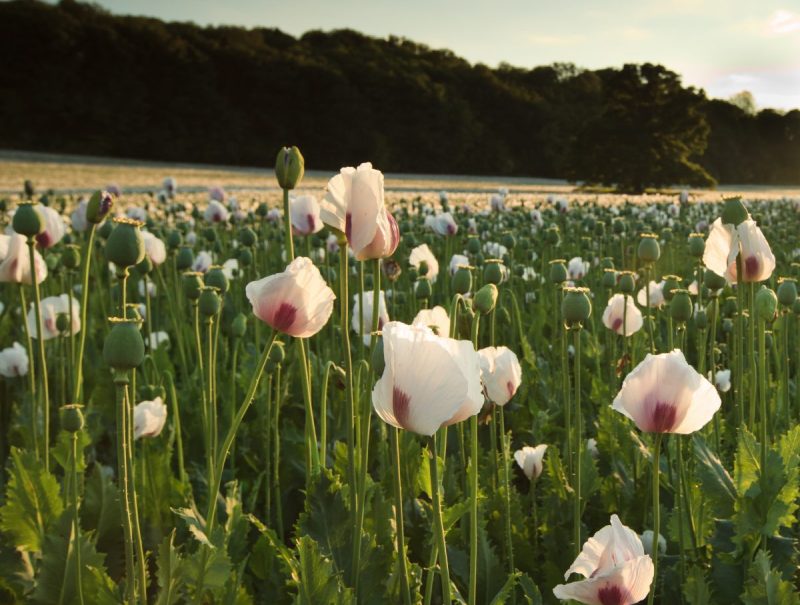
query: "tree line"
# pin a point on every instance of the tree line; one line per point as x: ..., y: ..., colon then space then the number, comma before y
x: 78, y: 79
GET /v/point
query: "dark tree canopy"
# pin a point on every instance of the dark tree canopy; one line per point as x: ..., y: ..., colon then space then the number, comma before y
x: 77, y: 79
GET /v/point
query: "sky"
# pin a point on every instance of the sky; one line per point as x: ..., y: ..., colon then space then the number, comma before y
x: 722, y: 46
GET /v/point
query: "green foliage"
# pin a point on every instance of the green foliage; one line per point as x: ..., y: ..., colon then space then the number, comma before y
x: 766, y: 587
x: 33, y: 502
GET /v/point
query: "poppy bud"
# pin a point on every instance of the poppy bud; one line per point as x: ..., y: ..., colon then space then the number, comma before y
x: 576, y: 306
x: 28, y: 220
x: 473, y: 245
x: 71, y: 417
x: 680, y: 307
x: 209, y: 302
x: 509, y: 241
x: 99, y: 206
x: 766, y: 304
x: 649, y: 250
x: 696, y: 245
x: 174, y: 239
x: 216, y: 277
x: 71, y: 257
x: 486, y: 298
x: 787, y: 291
x: 377, y: 358
x: 29, y: 189
x: 422, y: 288
x: 192, y: 284
x: 558, y: 271
x: 734, y: 212
x: 124, y: 348
x: 246, y: 236
x: 239, y: 325
x: 462, y: 280
x: 245, y: 257
x: 727, y: 325
x: 125, y: 245
x: 552, y: 236
x: 713, y: 281
x: 493, y: 272
x: 289, y: 167
x: 278, y: 353
x: 184, y: 258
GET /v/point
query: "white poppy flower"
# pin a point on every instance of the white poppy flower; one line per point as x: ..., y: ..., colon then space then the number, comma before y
x: 656, y: 295
x: 422, y: 254
x: 51, y: 308
x: 436, y: 319
x: 615, y: 314
x: 304, y: 211
x: 14, y: 361
x: 149, y: 418
x: 722, y: 248
x: 529, y: 460
x: 501, y: 373
x: 365, y: 330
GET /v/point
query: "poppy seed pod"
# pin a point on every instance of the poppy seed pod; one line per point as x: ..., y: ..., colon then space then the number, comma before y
x: 422, y: 288
x: 701, y: 319
x: 28, y: 220
x: 627, y: 282
x: 71, y: 257
x: 766, y: 304
x: 697, y: 245
x: 125, y: 245
x: 576, y: 306
x: 124, y: 347
x: 192, y: 283
x: 289, y: 167
x: 246, y: 237
x: 174, y: 239
x: 209, y: 302
x: 509, y: 241
x: 215, y: 277
x: 462, y: 280
x: 144, y: 267
x: 152, y: 391
x: 486, y: 298
x: 105, y: 230
x: 71, y: 417
x: 734, y: 211
x: 649, y: 250
x: 245, y: 257
x: 493, y: 272
x: 609, y: 278
x: 239, y: 325
x: 727, y: 325
x: 787, y: 291
x: 680, y: 307
x: 99, y: 206
x: 473, y: 245
x: 618, y: 225
x: 672, y: 283
x: 552, y: 236
x: 712, y: 281
x: 184, y: 258
x: 558, y: 271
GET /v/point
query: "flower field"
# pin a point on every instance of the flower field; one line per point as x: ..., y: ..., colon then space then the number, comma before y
x: 318, y: 391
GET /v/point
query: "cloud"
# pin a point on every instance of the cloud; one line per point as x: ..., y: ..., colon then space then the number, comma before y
x: 555, y: 39
x: 784, y: 22
x: 776, y: 88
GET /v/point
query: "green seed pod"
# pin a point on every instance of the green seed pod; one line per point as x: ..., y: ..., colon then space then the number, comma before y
x: 192, y: 284
x: 99, y: 206
x: 734, y: 212
x: 768, y: 340
x: 552, y: 236
x: 422, y: 270
x: 696, y: 245
x: 713, y: 281
x: 239, y: 325
x: 766, y: 304
x: 493, y: 272
x: 700, y: 319
x: 245, y: 257
x: 422, y: 288
x: 576, y: 306
x: 184, y: 258
x: 727, y: 325
x: 29, y: 189
x: 125, y: 246
x: 104, y: 231
x: 618, y: 225
x: 609, y: 278
x: 145, y: 267
x: 607, y: 263
x: 28, y: 220
x: 71, y: 257
x: 680, y: 307
x: 473, y: 245
x: 462, y: 280
x: 174, y: 239
x: 649, y: 250
x: 289, y: 167
x: 666, y: 234
x: 216, y: 277
x: 672, y: 283
x: 208, y: 302
x: 479, y: 258
x: 71, y: 417
x: 210, y: 234
x: 486, y: 298
x: 246, y: 237
x: 796, y: 307
x: 124, y: 348
x: 377, y: 358
x: 262, y: 210
x: 278, y: 352
x: 509, y: 241
x: 558, y: 271
x: 599, y: 229
x: 627, y: 282
x: 787, y: 291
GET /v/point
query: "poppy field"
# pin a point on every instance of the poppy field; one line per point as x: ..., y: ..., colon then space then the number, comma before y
x: 330, y: 395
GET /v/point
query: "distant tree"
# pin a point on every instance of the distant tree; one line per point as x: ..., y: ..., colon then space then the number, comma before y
x: 649, y: 132
x: 745, y: 101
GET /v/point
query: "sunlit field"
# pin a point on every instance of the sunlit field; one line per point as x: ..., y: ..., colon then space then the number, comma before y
x: 279, y: 385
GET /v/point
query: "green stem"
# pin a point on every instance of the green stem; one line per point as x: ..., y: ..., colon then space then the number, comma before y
x: 287, y: 223
x: 121, y: 380
x: 31, y: 375
x: 504, y: 443
x: 473, y: 481
x: 87, y: 260
x: 656, y: 515
x: 76, y: 519
x: 438, y: 526
x: 394, y: 435
x: 37, y: 305
x: 578, y: 441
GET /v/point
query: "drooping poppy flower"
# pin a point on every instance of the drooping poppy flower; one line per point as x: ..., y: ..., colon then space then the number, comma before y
x: 616, y: 569
x: 501, y: 373
x: 51, y: 307
x: 15, y: 264
x: 13, y: 361
x: 149, y: 418
x: 529, y: 460
x: 422, y: 254
x: 656, y: 295
x: 428, y: 382
x: 296, y: 302
x: 623, y: 322
x: 723, y: 246
x: 664, y: 394
x: 577, y: 268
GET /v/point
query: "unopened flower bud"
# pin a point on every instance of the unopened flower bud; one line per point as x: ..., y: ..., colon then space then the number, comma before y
x: 734, y: 212
x: 486, y: 299
x: 766, y: 304
x: 289, y: 167
x: 99, y: 206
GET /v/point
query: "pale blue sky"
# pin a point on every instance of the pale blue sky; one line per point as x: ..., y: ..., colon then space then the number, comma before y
x: 723, y: 46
